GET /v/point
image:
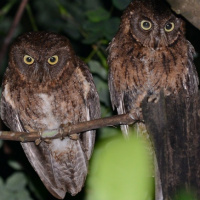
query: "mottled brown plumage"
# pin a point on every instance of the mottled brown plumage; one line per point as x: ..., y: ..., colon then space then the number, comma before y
x: 149, y: 53
x: 47, y: 85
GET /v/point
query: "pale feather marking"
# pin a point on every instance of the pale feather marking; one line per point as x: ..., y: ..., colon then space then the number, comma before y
x: 121, y: 110
x: 82, y: 80
x: 46, y: 107
x: 8, y: 98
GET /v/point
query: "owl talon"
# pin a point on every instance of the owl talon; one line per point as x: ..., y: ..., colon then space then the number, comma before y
x: 61, y: 131
x: 74, y: 136
x: 153, y: 98
x: 39, y: 140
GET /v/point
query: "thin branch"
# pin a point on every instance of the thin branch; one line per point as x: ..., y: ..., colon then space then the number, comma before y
x: 12, y: 29
x: 67, y: 129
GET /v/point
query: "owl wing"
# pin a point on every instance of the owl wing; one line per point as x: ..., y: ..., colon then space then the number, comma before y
x: 192, y: 72
x: 38, y: 156
x: 117, y: 100
x: 10, y: 116
x: 92, y: 107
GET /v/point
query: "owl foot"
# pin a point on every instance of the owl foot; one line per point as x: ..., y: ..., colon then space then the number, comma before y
x: 74, y: 136
x: 153, y: 98
x: 61, y: 131
x: 39, y: 140
x: 135, y: 113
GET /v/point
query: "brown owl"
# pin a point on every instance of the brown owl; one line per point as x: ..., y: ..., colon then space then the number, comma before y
x: 47, y: 85
x: 148, y: 54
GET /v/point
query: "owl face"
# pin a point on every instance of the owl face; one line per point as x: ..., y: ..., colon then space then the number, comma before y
x: 153, y: 24
x: 40, y: 56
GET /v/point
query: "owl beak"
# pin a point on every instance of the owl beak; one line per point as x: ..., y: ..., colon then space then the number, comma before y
x: 38, y: 74
x: 156, y: 42
x: 161, y: 41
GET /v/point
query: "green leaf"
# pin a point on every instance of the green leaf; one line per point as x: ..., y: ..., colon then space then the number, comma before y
x: 98, y: 15
x: 96, y: 68
x: 93, y: 31
x: 121, y: 4
x: 105, y: 112
x: 185, y: 195
x: 35, y: 189
x: 93, y: 27
x: 119, y: 170
x: 23, y: 195
x: 102, y: 88
x: 7, y: 195
x: 15, y: 165
x: 92, y: 38
x: 4, y: 10
x: 16, y: 182
x: 110, y: 27
x: 1, y: 184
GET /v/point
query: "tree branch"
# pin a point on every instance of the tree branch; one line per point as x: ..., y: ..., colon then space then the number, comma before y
x: 190, y: 9
x: 67, y: 129
x: 12, y: 29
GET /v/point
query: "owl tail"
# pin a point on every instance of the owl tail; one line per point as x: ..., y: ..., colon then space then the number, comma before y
x: 61, y: 165
x: 121, y: 110
x: 125, y: 130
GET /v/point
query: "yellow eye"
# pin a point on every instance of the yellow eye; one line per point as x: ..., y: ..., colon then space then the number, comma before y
x: 53, y: 60
x: 146, y: 25
x: 28, y: 60
x: 169, y: 27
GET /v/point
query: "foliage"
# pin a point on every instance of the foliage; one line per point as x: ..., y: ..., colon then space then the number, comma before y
x: 120, y: 170
x: 14, y: 188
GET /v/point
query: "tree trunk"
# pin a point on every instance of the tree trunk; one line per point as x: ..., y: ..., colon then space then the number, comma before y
x: 174, y: 126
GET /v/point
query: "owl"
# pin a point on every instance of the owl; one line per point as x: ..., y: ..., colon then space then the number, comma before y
x: 47, y: 85
x: 148, y: 54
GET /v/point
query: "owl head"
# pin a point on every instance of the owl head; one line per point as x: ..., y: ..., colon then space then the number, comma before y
x: 152, y: 23
x: 41, y: 57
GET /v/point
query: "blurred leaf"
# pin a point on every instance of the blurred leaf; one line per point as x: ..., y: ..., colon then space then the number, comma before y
x: 16, y: 182
x: 1, y: 184
x: 22, y: 195
x: 91, y: 4
x: 7, y: 195
x: 72, y: 30
x: 96, y: 68
x: 14, y: 164
x: 94, y: 32
x: 4, y: 10
x: 110, y: 27
x: 183, y: 195
x: 93, y: 27
x: 98, y: 15
x: 108, y: 132
x: 102, y: 88
x: 119, y: 170
x: 121, y: 4
x: 92, y: 38
x: 13, y: 192
x: 5, y: 25
x: 105, y: 111
x: 35, y: 191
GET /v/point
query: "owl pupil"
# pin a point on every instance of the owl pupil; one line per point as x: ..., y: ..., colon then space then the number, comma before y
x: 52, y: 59
x: 168, y: 26
x: 28, y: 59
x: 146, y: 24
